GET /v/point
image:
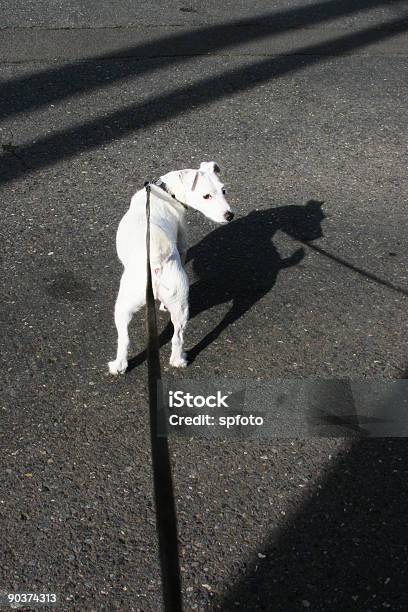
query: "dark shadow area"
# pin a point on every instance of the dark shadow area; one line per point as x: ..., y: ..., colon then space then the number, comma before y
x: 350, y: 423
x: 66, y: 143
x: 53, y: 85
x: 67, y: 286
x: 346, y: 548
x: 239, y: 263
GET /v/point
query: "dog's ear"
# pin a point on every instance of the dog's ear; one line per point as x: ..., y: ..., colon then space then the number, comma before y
x: 189, y: 178
x: 211, y: 166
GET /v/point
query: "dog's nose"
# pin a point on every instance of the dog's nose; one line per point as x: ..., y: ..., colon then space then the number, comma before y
x: 229, y: 216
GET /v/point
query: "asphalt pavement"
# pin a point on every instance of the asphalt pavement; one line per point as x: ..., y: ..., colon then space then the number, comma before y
x: 304, y: 108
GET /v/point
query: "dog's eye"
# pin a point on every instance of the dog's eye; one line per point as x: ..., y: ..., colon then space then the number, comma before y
x: 224, y: 191
x: 207, y: 197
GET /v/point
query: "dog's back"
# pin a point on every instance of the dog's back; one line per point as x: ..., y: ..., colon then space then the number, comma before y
x: 131, y: 234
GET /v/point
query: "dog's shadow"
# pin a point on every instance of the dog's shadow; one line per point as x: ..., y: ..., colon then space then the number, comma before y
x: 238, y: 263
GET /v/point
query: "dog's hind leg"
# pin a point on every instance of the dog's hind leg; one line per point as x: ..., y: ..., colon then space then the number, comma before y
x: 129, y: 300
x: 173, y: 292
x: 179, y: 318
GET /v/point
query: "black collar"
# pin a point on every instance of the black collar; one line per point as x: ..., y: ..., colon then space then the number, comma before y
x: 162, y: 185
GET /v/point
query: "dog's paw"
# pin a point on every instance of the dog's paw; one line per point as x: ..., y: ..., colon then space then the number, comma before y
x: 180, y: 361
x: 118, y: 366
x: 162, y: 307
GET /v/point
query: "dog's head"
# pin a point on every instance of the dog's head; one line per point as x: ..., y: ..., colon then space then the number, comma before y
x: 203, y: 190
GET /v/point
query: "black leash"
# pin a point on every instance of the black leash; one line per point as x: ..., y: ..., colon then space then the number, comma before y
x: 166, y: 520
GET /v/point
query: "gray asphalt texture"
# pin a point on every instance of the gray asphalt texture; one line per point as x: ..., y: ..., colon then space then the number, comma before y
x: 304, y: 107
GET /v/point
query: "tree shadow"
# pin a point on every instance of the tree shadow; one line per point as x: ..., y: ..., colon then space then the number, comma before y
x: 33, y: 91
x: 65, y: 143
x: 239, y: 263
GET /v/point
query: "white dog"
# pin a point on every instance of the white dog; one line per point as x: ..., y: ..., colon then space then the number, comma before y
x: 170, y: 197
